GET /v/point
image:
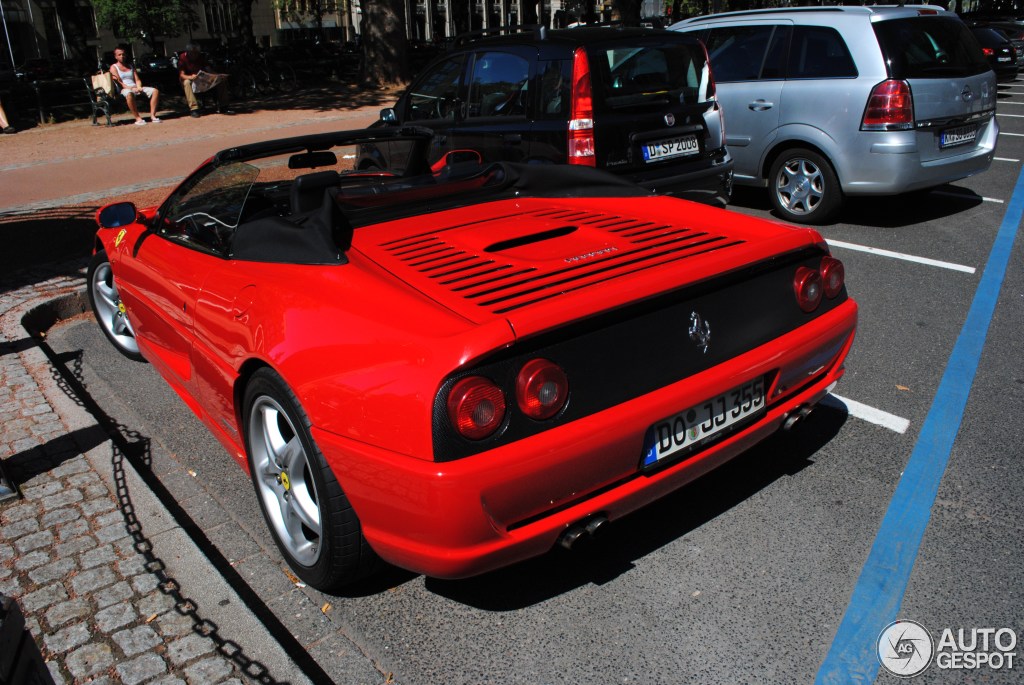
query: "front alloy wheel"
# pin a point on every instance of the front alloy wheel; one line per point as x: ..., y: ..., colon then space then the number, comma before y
x: 109, y: 310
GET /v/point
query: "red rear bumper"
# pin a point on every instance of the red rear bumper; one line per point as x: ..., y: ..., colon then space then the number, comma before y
x: 469, y: 516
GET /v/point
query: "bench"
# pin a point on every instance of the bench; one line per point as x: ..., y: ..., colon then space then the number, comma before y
x: 69, y: 95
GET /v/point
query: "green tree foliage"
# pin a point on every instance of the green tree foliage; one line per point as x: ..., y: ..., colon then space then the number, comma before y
x: 302, y: 11
x: 144, y: 19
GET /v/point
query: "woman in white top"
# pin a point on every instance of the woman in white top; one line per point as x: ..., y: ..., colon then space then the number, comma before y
x: 131, y: 85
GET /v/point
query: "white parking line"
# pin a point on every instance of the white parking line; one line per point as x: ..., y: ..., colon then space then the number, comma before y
x: 1017, y: 135
x: 961, y: 196
x: 900, y: 255
x: 865, y: 413
x: 1005, y: 159
x: 1015, y: 116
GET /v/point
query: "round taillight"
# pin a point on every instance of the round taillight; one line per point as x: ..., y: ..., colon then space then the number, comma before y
x: 807, y: 288
x: 833, y: 276
x: 541, y: 389
x: 476, y: 407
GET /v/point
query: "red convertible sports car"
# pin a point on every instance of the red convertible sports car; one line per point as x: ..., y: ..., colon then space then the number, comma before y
x: 460, y: 367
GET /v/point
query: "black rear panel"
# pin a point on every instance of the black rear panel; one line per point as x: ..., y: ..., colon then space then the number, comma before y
x: 623, y: 355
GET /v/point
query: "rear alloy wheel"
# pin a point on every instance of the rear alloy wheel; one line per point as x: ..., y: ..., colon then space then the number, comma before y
x: 309, y: 516
x: 108, y: 309
x: 804, y: 188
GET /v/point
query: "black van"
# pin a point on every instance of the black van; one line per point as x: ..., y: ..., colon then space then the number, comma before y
x: 639, y: 103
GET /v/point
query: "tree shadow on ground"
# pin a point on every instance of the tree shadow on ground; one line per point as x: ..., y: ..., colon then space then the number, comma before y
x: 51, y: 238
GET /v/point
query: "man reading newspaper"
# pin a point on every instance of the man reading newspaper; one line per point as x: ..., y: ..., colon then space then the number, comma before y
x: 197, y: 77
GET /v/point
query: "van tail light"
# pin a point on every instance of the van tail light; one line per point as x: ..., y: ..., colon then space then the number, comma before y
x: 710, y: 95
x: 581, y: 121
x: 890, y: 107
x: 541, y: 389
x: 833, y: 276
x: 476, y: 407
x: 807, y: 288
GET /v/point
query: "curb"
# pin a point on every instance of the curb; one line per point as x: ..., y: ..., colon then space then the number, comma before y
x: 197, y: 640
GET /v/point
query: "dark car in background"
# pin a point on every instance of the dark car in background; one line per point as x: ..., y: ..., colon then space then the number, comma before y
x: 157, y: 70
x: 999, y: 52
x: 639, y: 103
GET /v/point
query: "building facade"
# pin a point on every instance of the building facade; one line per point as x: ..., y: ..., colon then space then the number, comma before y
x: 67, y: 31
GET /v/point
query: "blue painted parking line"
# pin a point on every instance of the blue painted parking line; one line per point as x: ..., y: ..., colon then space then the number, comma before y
x: 879, y: 591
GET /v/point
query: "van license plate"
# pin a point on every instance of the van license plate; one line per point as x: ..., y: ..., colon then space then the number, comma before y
x: 698, y: 425
x: 961, y: 135
x: 683, y: 146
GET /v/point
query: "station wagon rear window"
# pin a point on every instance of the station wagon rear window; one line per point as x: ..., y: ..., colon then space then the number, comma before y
x: 633, y: 76
x: 929, y: 47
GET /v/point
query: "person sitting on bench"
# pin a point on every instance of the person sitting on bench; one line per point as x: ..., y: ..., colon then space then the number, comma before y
x: 124, y: 75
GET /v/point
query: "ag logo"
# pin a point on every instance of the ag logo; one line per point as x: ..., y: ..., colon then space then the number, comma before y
x: 905, y: 648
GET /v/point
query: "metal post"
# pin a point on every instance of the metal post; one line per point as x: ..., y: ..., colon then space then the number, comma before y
x: 10, y: 50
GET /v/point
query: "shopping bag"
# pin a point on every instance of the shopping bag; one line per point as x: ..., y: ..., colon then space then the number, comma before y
x: 104, y: 82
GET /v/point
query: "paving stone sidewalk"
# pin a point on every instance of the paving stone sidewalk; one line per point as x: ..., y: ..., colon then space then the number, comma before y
x: 73, y: 552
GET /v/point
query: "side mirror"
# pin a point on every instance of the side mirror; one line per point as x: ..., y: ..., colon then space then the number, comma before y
x: 117, y: 215
x: 388, y: 115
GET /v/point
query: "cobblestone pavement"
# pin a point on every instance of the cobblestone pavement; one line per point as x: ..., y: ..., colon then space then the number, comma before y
x: 72, y: 551
x: 102, y: 600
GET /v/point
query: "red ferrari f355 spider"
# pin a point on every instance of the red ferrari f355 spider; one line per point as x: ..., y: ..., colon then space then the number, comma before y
x: 460, y: 367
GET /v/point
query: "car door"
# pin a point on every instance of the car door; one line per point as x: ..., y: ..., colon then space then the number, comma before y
x: 185, y: 245
x: 166, y: 277
x: 748, y: 62
x: 495, y: 119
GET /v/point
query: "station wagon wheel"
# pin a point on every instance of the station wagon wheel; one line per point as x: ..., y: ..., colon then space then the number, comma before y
x: 108, y: 309
x: 804, y: 188
x: 305, y: 508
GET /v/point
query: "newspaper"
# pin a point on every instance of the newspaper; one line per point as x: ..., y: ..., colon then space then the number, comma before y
x: 204, y: 81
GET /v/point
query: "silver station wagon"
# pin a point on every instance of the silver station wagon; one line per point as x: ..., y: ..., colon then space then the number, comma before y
x: 822, y: 103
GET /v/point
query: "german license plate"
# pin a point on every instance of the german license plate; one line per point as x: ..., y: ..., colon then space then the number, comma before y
x: 961, y: 135
x: 683, y: 146
x: 698, y: 425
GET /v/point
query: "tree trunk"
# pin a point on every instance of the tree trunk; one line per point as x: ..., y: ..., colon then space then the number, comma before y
x: 626, y: 11
x: 383, y: 34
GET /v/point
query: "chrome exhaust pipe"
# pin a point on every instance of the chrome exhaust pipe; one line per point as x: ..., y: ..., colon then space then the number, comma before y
x: 588, y: 528
x: 798, y: 415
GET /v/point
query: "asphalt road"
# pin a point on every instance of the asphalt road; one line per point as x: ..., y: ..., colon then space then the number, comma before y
x: 746, y: 575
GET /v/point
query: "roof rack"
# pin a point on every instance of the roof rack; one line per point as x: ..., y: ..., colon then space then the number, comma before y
x: 539, y: 33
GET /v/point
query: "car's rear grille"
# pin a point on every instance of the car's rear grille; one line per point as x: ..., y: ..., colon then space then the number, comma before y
x: 503, y: 285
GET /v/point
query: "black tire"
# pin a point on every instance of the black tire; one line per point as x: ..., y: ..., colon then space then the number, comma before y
x: 107, y: 308
x: 296, y: 496
x: 804, y: 188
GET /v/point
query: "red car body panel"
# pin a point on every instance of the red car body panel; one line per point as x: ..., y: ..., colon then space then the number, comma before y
x: 366, y: 347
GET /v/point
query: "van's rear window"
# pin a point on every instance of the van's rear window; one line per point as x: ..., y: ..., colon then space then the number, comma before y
x: 637, y: 76
x: 929, y: 47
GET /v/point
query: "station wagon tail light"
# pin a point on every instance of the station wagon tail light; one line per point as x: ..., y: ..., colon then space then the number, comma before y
x: 833, y: 276
x: 890, y: 107
x: 541, y: 389
x: 807, y: 288
x: 476, y: 407
x: 988, y: 52
x: 581, y: 122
